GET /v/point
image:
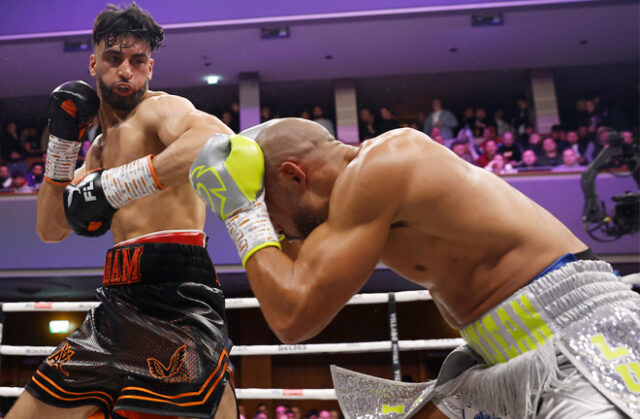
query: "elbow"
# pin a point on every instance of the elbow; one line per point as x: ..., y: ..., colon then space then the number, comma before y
x: 291, y: 331
x: 50, y: 236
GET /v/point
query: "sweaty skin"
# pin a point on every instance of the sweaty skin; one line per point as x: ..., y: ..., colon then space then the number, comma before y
x: 401, y: 198
x: 164, y: 125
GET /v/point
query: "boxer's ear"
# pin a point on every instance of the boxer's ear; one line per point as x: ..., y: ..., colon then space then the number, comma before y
x: 151, y: 62
x: 92, y: 65
x: 292, y: 176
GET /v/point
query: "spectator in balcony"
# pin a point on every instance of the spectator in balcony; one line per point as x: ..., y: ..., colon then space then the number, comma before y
x: 499, y: 166
x: 549, y: 156
x: 502, y: 126
x: 490, y: 150
x: 227, y: 119
x: 15, y: 162
x: 5, y: 178
x: 580, y: 150
x: 366, y: 125
x: 422, y: 117
x: 581, y: 116
x: 235, y: 116
x: 468, y: 119
x: 594, y: 118
x: 529, y: 161
x: 35, y: 176
x: 30, y: 140
x: 19, y: 183
x: 523, y: 138
x: 11, y: 142
x: 318, y: 116
x: 387, y: 121
x: 265, y: 114
x: 481, y: 122
x: 569, y: 162
x: 461, y: 148
x: 535, y: 143
x: 509, y: 149
x: 523, y: 116
x: 442, y: 118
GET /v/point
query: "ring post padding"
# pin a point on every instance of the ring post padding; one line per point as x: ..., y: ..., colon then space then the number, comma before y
x: 393, y: 327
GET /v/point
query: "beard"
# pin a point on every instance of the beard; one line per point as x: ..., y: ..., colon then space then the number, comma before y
x: 118, y: 102
x: 305, y: 221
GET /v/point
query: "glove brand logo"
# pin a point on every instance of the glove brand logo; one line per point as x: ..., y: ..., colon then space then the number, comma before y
x: 86, y: 192
x: 170, y: 373
x: 200, y: 177
x: 122, y: 267
x: 60, y: 357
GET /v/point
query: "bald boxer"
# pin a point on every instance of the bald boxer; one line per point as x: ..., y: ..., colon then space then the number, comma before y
x: 158, y: 342
x: 550, y: 331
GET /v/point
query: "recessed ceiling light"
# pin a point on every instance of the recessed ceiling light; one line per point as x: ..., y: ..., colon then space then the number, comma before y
x: 212, y: 79
x: 328, y: 57
x: 454, y: 49
x: 583, y: 42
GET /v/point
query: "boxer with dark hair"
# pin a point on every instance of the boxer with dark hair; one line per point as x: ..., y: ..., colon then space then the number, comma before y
x: 157, y: 343
x: 550, y: 330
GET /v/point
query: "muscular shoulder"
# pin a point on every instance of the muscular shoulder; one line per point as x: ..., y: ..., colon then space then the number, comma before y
x: 160, y: 106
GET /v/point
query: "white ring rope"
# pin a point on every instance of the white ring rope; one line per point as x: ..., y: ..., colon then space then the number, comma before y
x: 230, y: 303
x: 242, y: 393
x: 305, y: 348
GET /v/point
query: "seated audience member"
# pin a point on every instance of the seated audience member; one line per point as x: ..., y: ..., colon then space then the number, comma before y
x: 502, y: 126
x: 312, y: 414
x: 490, y: 133
x: 387, y: 122
x: 549, y: 156
x: 529, y: 162
x: 10, y: 142
x: 627, y: 137
x: 442, y: 118
x: 580, y: 150
x: 15, y: 163
x: 227, y: 118
x: 481, y: 122
x: 535, y: 143
x: 30, y: 140
x: 35, y: 176
x: 595, y: 119
x: 5, y: 178
x: 523, y: 116
x: 468, y: 119
x: 366, y: 125
x: 490, y: 150
x: 290, y: 414
x: 334, y: 414
x: 422, y: 117
x: 523, y: 137
x: 461, y: 148
x: 581, y: 117
x: 281, y: 412
x: 499, y: 166
x: 260, y: 415
x: 569, y: 162
x: 509, y: 149
x: 318, y: 116
x: 241, y: 414
x: 558, y: 133
x: 296, y: 412
x: 324, y: 414
x: 19, y: 183
x: 304, y: 114
x: 265, y: 114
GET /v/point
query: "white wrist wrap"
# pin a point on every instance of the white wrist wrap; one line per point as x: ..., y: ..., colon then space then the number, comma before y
x: 61, y: 159
x: 129, y: 182
x: 251, y: 230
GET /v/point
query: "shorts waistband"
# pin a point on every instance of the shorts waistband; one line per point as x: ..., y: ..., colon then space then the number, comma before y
x: 192, y: 237
x: 532, y: 315
x: 154, y: 263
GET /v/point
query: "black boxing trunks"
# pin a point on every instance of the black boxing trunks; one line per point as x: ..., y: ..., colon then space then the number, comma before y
x: 156, y: 344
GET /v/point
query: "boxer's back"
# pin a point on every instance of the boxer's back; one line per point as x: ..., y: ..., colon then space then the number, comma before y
x: 460, y: 231
x: 176, y: 207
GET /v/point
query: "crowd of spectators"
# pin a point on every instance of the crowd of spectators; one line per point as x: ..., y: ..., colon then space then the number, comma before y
x: 288, y: 412
x: 491, y: 140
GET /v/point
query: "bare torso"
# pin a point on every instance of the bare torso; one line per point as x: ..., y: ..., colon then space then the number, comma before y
x: 460, y: 231
x: 176, y: 207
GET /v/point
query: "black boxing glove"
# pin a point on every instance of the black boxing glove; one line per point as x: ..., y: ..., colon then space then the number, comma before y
x: 72, y: 106
x: 86, y: 207
x: 90, y: 204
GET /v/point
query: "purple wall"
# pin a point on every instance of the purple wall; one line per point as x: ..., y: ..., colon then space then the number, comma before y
x: 21, y: 248
x: 39, y: 16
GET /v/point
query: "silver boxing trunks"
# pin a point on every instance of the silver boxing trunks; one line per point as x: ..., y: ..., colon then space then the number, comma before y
x: 566, y: 345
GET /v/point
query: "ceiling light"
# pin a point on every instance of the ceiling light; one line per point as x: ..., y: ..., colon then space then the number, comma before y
x: 58, y: 326
x: 212, y: 79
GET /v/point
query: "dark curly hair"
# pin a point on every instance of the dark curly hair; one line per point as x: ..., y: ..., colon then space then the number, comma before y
x: 114, y: 24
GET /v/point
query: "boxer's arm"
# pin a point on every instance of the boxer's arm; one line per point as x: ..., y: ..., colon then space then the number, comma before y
x: 299, y: 298
x: 183, y: 130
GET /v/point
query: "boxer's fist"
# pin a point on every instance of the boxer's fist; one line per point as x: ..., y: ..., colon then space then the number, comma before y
x: 87, y: 209
x: 72, y: 106
x: 227, y: 174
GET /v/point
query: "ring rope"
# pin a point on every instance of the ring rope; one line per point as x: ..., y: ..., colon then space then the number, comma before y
x: 231, y: 303
x: 305, y: 348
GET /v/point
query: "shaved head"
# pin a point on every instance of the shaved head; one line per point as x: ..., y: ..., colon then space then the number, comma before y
x: 292, y: 139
